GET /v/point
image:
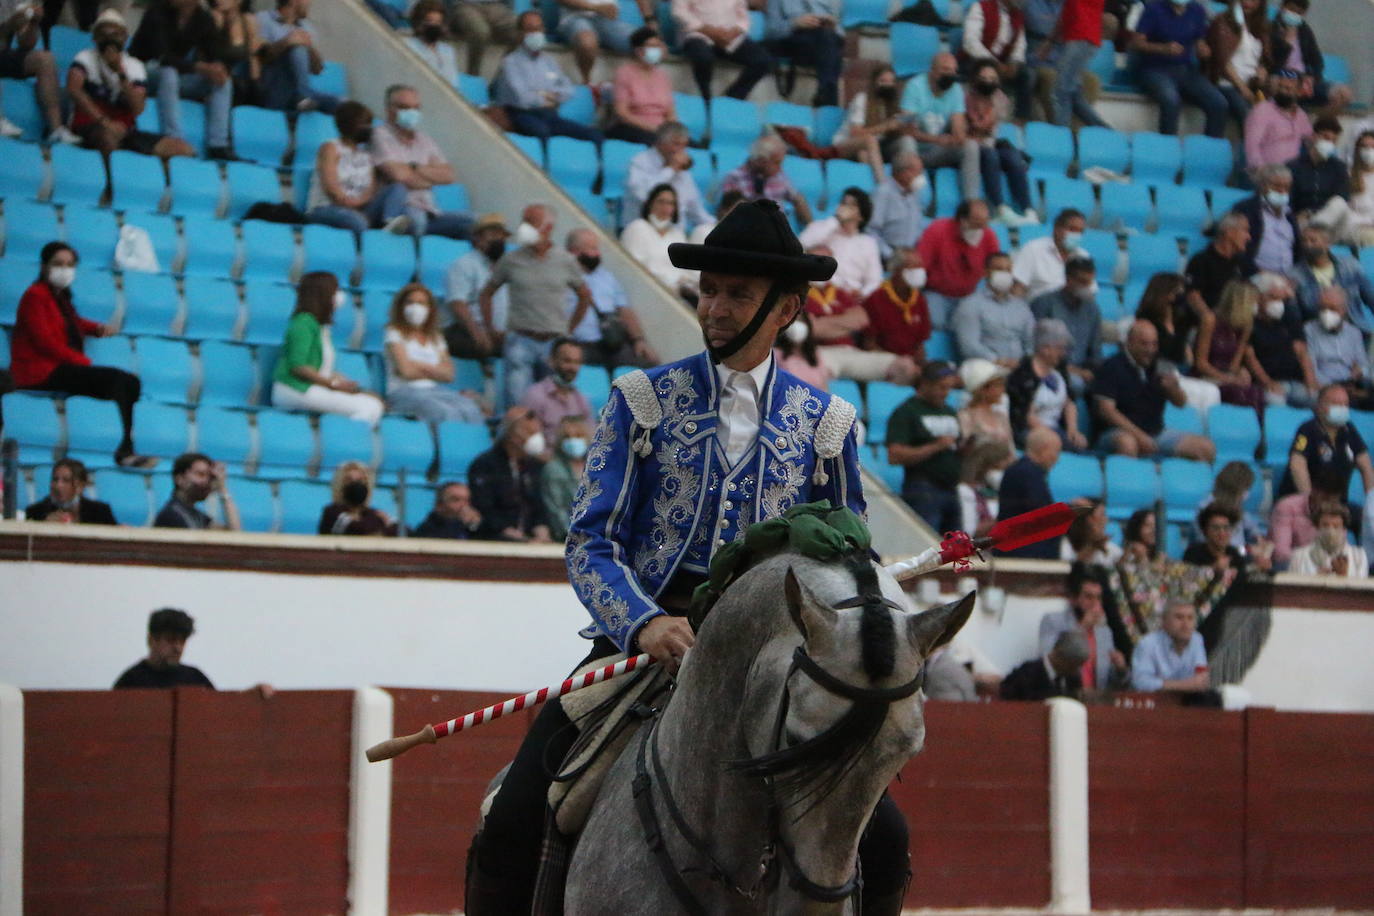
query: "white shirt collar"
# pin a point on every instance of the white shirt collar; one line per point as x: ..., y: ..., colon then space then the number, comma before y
x: 759, y: 373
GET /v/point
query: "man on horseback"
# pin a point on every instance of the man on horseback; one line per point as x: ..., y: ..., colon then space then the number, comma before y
x: 685, y: 458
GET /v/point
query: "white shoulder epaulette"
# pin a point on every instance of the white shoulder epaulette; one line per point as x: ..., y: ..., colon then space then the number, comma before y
x: 831, y: 433
x: 647, y: 412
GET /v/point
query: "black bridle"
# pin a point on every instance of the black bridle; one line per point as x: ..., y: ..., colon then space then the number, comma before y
x: 776, y: 848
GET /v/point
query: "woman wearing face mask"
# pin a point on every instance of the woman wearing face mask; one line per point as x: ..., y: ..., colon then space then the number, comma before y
x: 795, y: 351
x: 872, y: 130
x: 1164, y: 304
x: 344, y: 191
x: 304, y: 377
x: 1331, y: 554
x: 980, y: 478
x: 430, y: 40
x: 647, y: 239
x: 47, y: 348
x: 560, y: 476
x: 1239, y: 61
x: 985, y: 107
x: 1351, y: 222
x: 418, y: 365
x: 350, y: 513
x: 643, y: 92
x: 1221, y: 346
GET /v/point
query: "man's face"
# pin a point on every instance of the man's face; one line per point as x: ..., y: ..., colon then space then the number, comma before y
x: 196, y: 481
x: 937, y: 392
x: 943, y: 65
x: 566, y: 361
x: 1073, y: 224
x: 728, y: 302
x: 434, y: 17
x: 164, y: 649
x: 1180, y: 620
x: 455, y: 501
x: 998, y: 264
x: 1217, y: 532
x: 1332, y: 299
x: 1238, y: 235
x: 977, y: 218
x: 671, y: 145
x: 531, y: 22
x: 401, y: 100
x: 585, y: 243
x: 1281, y: 183
x: 1088, y: 604
x: 1331, y: 398
x: 1076, y: 282
x: 908, y: 174
x: 1331, y: 532
x: 1315, y: 243
x: 1143, y: 344
x: 64, y: 487
x: 485, y: 237
x: 769, y: 164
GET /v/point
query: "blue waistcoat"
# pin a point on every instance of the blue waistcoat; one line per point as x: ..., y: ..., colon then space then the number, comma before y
x: 659, y: 495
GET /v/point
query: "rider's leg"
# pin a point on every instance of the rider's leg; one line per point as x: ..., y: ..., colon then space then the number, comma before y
x: 885, y: 861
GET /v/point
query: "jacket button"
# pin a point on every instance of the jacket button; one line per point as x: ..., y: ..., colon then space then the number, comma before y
x: 725, y: 523
x: 781, y: 442
x: 732, y: 488
x: 720, y: 542
x: 729, y: 505
x: 690, y: 427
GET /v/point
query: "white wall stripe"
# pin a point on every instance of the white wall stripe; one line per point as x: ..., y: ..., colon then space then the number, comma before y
x: 11, y: 801
x: 369, y: 816
x: 1068, y: 807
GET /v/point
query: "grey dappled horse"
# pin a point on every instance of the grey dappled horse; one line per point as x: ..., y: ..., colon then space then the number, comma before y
x: 797, y: 706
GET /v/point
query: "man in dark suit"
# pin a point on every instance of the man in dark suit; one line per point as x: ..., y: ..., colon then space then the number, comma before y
x: 64, y: 502
x: 1026, y: 486
x: 1051, y: 675
x: 1275, y: 241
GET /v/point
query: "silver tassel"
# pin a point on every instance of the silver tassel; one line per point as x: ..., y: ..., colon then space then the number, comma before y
x: 643, y: 444
x: 820, y: 478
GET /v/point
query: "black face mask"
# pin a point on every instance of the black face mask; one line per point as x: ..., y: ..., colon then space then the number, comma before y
x: 944, y: 82
x: 590, y: 261
x: 886, y: 93
x: 432, y: 33
x: 1285, y: 99
x: 354, y: 493
x: 1314, y: 255
x: 363, y: 134
x: 986, y: 88
x: 494, y: 250
x: 109, y: 44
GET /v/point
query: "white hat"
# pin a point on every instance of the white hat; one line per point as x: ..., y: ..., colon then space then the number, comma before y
x: 110, y: 17
x: 975, y: 373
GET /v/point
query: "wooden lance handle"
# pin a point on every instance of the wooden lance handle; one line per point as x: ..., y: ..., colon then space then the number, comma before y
x: 395, y: 747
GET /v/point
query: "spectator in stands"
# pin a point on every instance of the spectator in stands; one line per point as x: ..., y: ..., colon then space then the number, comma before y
x: 666, y: 162
x: 1055, y: 674
x: 289, y: 58
x: 1327, y: 444
x: 899, y: 204
x: 728, y: 201
x: 1231, y: 490
x: 505, y: 481
x: 349, y: 512
x: 1318, y: 268
x: 1217, y: 524
x: 647, y: 238
x: 1075, y: 305
x: 168, y: 630
x: 1291, y: 525
x: 762, y: 176
x: 418, y: 364
x: 194, y: 478
x: 109, y: 90
x: 561, y: 474
x: 1175, y: 313
x: 1276, y: 126
x: 1026, y: 486
x: 923, y: 438
x: 1105, y: 666
x: 714, y: 30
x: 66, y: 500
x: 406, y: 155
x: 1237, y: 60
x: 1168, y: 43
x: 1229, y: 257
x: 1038, y: 392
x: 344, y: 191
x: 898, y: 318
x: 1274, y: 236
x: 1172, y: 658
x: 429, y: 39
x: 1294, y: 46
x: 860, y: 264
x: 1040, y: 264
x: 304, y: 377
x: 1277, y: 357
x: 589, y: 25
x: 994, y: 322
x: 955, y: 250
x: 21, y: 58
x: 1129, y: 391
x: 1087, y: 543
x: 467, y: 336
x: 980, y: 478
x: 47, y: 349
x: 1140, y: 537
x: 1222, y: 344
x: 453, y: 515
x: 1351, y: 221
x: 1319, y: 173
x: 642, y: 94
x: 986, y: 107
x: 796, y: 352
x: 983, y: 418
x: 808, y: 32
x: 478, y: 23
x: 556, y: 396
x: 995, y: 35
x: 1077, y: 36
x: 934, y: 102
x: 873, y: 131
x: 1330, y: 553
x: 1336, y: 346
x: 539, y: 274
x: 530, y: 86
x: 610, y: 333
x: 838, y: 321
x: 179, y: 43
x: 238, y: 41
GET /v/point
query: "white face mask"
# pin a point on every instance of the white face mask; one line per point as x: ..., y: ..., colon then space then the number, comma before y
x: 535, y: 445
x: 915, y: 277
x: 416, y: 313
x: 534, y: 41
x: 1367, y: 155
x: 61, y: 277
x: 797, y: 332
x: 1277, y: 199
x: 1330, y: 319
x: 994, y: 479
x: 1000, y: 280
x: 972, y: 236
x: 1274, y: 308
x: 1071, y: 240
x: 659, y: 222
x: 920, y: 182
x: 1089, y: 292
x: 340, y: 299
x: 526, y: 235
x: 653, y: 55
x: 1325, y: 148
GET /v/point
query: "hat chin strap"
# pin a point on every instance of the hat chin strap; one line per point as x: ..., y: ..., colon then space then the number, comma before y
x: 746, y: 334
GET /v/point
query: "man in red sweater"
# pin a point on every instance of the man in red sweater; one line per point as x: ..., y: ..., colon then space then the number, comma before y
x: 953, y: 250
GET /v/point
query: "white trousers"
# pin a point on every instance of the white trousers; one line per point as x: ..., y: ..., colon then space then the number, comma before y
x: 319, y: 399
x: 859, y: 365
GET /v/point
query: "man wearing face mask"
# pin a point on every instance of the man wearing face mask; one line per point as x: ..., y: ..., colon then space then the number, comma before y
x: 505, y: 481
x: 65, y: 501
x: 610, y: 332
x: 406, y: 155
x: 194, y: 478
x: 1320, y: 176
x: 955, y: 250
x: 1169, y: 41
x: 557, y: 396
x: 1331, y: 554
x: 530, y: 86
x: 642, y: 93
x: 1277, y: 358
x: 1319, y: 268
x: 466, y: 335
x: 668, y: 162
x: 762, y: 177
x: 936, y: 103
x: 1294, y: 44
x: 289, y: 59
x: 994, y: 322
x: 898, y: 317
x: 1276, y: 126
x: 1274, y: 236
x: 1039, y: 265
x: 1337, y: 347
x: 430, y: 39
x: 1327, y: 448
x: 899, y: 204
x: 1075, y: 304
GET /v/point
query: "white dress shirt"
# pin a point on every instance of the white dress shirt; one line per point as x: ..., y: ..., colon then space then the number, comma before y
x: 738, y: 425
x: 1040, y: 266
x: 859, y: 265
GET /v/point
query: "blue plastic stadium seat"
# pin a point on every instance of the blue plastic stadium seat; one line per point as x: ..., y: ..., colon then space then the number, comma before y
x: 313, y: 130
x: 1050, y: 148
x: 1185, y: 419
x: 406, y: 445
x: 734, y: 121
x: 342, y: 439
x: 94, y: 430
x: 197, y: 186
x: 595, y: 384
x: 843, y: 173
x: 1151, y: 254
x: 1061, y: 193
x: 28, y: 227
x: 32, y: 421
x: 371, y: 320
x: 452, y: 197
x: 459, y: 443
x: 1105, y: 251
x: 1155, y: 158
x: 328, y: 249
x: 269, y: 309
x: 890, y: 474
x: 269, y: 251
x: 1225, y: 199
x: 225, y: 435
x: 474, y: 89
x: 615, y: 160
x: 166, y: 369
x: 286, y: 444
x: 21, y: 108
x: 829, y: 118
x: 78, y: 175
x: 127, y: 493
x: 94, y: 233
x: 151, y: 303
x: 1104, y: 147
x: 95, y: 296
x: 1131, y: 295
x: 573, y: 163
x: 691, y: 113
x: 1076, y: 477
x: 356, y: 365
x: 1125, y: 207
x: 940, y: 346
x: 1181, y: 211
x: 1280, y: 426
x: 1186, y: 484
x: 883, y: 399
x: 948, y: 194
x: 137, y: 181
x: 531, y: 147
x: 580, y: 107
x: 1335, y: 69
x: 213, y: 310
x: 257, y: 508
x: 388, y: 260
x: 250, y: 184
x: 162, y: 232
x: 116, y: 352
x: 1235, y: 430
x: 913, y: 47
x: 260, y: 134
x: 1132, y: 483
x: 333, y: 79
x: 25, y: 173
x: 419, y: 501
x: 1207, y: 161
x: 864, y: 12
x: 436, y: 255
x: 16, y: 276
x: 161, y: 429
x: 809, y: 178
x: 211, y: 247
x: 302, y: 502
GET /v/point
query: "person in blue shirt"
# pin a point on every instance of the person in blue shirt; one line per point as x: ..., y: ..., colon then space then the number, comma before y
x: 531, y: 86
x: 935, y: 102
x: 808, y: 32
x: 1168, y: 41
x: 1026, y: 486
x: 1173, y: 658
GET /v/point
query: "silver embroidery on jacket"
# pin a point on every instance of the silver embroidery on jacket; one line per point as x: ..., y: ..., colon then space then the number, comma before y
x: 679, y: 482
x: 612, y: 610
x: 590, y: 489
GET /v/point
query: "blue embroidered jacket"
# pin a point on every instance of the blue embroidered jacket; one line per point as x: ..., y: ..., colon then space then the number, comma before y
x: 659, y: 494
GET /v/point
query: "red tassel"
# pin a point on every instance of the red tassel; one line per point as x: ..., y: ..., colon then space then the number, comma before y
x: 1036, y: 525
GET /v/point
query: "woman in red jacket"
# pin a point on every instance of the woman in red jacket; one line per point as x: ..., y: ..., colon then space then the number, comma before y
x: 46, y: 353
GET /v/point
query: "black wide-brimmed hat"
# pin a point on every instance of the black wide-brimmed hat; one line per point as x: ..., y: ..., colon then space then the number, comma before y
x: 754, y: 240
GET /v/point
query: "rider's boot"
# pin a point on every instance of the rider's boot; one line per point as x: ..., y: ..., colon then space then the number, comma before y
x: 491, y: 894
x: 884, y: 904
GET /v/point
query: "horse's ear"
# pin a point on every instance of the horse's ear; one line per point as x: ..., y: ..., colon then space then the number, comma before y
x: 929, y: 630
x: 811, y: 616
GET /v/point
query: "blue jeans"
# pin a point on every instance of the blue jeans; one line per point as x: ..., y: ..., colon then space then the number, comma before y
x: 821, y: 48
x: 453, y: 224
x: 1005, y: 160
x: 389, y: 200
x: 173, y: 85
x: 522, y: 355
x: 939, y: 507
x: 545, y: 122
x: 611, y: 34
x: 1074, y: 58
x: 286, y: 83
x: 1171, y: 86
